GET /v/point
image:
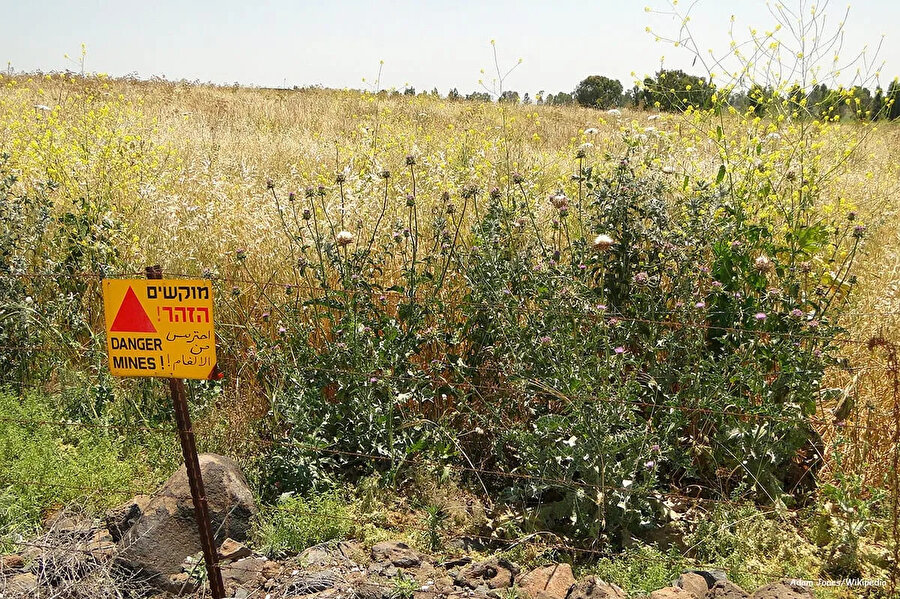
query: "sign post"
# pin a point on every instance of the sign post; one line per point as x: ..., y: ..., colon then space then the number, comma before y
x: 166, y: 330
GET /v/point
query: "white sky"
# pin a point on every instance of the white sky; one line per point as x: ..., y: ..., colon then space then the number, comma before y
x: 425, y: 43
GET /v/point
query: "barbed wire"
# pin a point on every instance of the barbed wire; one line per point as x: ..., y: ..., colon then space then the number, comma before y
x: 496, y: 388
x: 300, y: 286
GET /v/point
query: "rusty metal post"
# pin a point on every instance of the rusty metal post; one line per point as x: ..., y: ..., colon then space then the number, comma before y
x: 195, y: 478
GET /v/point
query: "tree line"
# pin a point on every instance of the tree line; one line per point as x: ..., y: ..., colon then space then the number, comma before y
x: 673, y: 90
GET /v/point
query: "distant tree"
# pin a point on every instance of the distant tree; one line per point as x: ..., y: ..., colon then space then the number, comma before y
x: 453, y: 94
x: 526, y: 99
x: 877, y: 106
x: 435, y: 93
x: 632, y: 97
x: 797, y: 99
x: 479, y: 97
x: 893, y: 95
x: 758, y: 98
x: 509, y: 97
x: 560, y: 99
x: 675, y: 91
x: 598, y: 91
x: 409, y: 91
x: 539, y: 98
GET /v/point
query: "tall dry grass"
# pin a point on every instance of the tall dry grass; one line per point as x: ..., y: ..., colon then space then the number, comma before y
x: 201, y: 158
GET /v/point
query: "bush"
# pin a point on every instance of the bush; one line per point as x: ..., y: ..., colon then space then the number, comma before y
x: 752, y: 546
x: 648, y: 333
x: 44, y: 467
x: 640, y: 569
x: 295, y: 523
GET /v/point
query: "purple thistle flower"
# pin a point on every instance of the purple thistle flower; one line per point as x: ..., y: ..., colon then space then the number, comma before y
x: 619, y: 350
x: 760, y: 316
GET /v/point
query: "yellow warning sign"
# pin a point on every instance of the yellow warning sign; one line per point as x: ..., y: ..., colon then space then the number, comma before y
x: 161, y: 328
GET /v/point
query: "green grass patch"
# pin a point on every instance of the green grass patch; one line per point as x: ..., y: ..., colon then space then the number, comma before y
x: 45, y: 465
x: 639, y: 569
x: 296, y: 523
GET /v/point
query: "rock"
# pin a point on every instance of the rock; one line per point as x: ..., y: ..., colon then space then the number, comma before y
x: 371, y: 590
x: 332, y: 554
x: 693, y: 583
x: 118, y: 520
x: 231, y: 550
x: 710, y: 576
x: 455, y: 563
x: 397, y: 553
x: 495, y: 573
x: 672, y: 593
x: 11, y: 562
x: 271, y: 569
x: 784, y: 589
x: 21, y: 585
x: 178, y: 584
x: 245, y: 573
x: 547, y: 582
x: 101, y: 546
x: 166, y: 531
x: 592, y: 587
x: 307, y: 583
x: 442, y: 584
x: 725, y: 589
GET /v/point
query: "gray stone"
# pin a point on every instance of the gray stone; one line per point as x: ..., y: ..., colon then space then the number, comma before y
x: 118, y: 520
x: 592, y: 587
x: 20, y: 585
x: 495, y: 573
x: 166, y: 531
x: 244, y: 573
x: 397, y: 553
x: 314, y: 582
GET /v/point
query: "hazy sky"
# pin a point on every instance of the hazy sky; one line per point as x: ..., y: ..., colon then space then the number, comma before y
x: 425, y: 43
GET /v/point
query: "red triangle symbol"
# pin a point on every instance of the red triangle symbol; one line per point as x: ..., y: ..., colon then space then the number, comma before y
x: 131, y: 317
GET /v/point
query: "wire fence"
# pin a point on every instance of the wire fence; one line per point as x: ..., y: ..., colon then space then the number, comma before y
x: 867, y: 427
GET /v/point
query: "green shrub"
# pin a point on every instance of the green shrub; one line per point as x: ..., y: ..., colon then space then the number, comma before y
x: 45, y: 467
x: 649, y: 333
x: 752, y: 546
x: 639, y: 569
x: 295, y: 523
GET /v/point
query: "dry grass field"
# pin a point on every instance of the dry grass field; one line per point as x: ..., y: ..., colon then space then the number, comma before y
x: 207, y: 180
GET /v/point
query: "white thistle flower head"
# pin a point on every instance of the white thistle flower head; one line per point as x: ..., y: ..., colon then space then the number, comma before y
x: 668, y: 169
x: 344, y: 238
x: 42, y: 107
x: 763, y: 264
x: 614, y: 112
x: 654, y: 117
x: 773, y: 136
x: 590, y: 131
x: 560, y: 201
x: 603, y: 242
